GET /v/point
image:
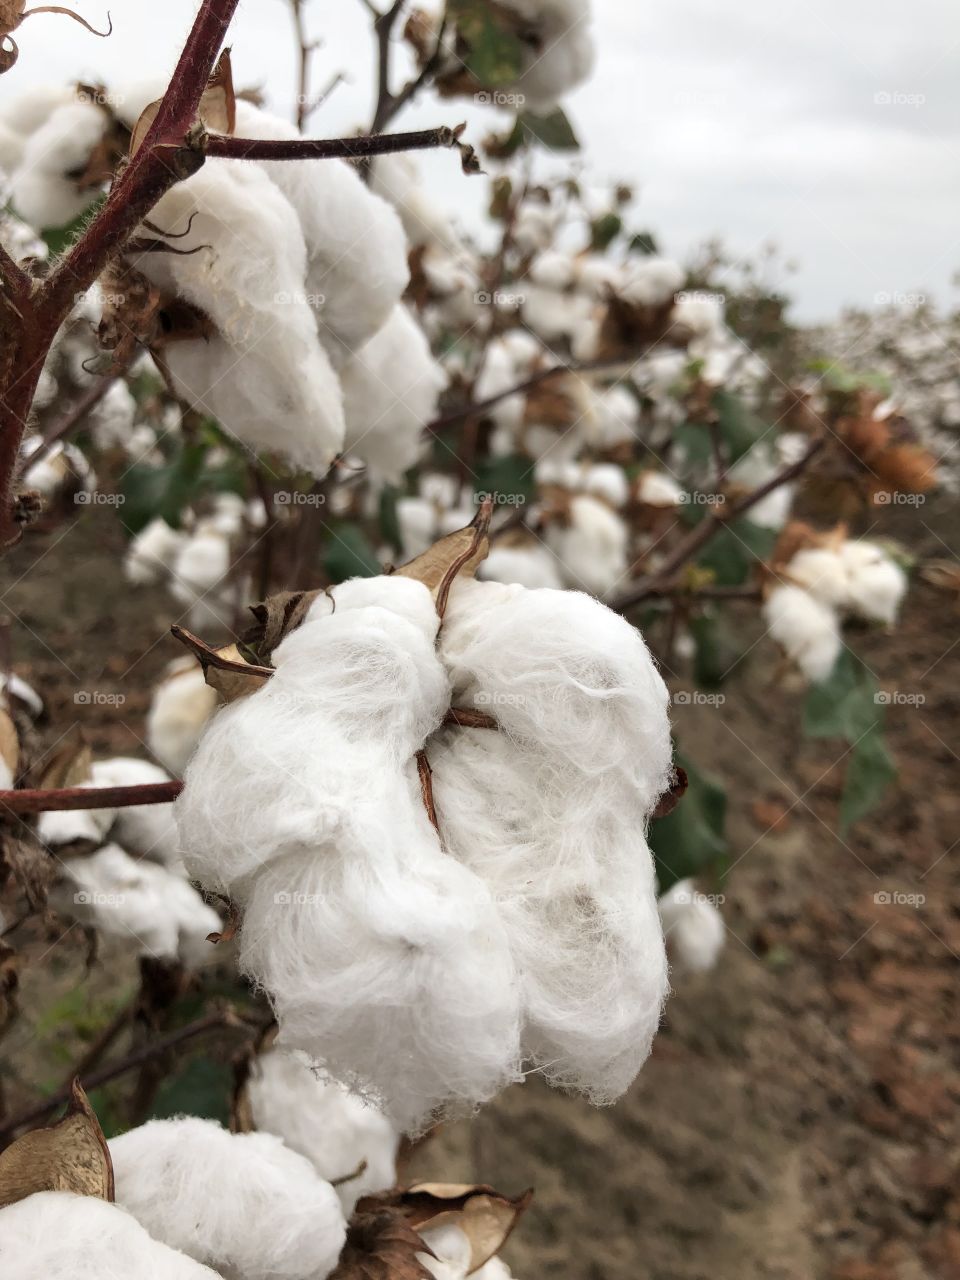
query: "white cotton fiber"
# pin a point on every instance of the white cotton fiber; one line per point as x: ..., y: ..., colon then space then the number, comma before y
x: 303, y: 802
x: 807, y: 629
x: 42, y: 191
x: 551, y: 811
x: 391, y: 388
x: 530, y: 566
x: 153, y: 552
x: 592, y: 547
x: 417, y: 521
x: 144, y: 830
x: 140, y: 902
x: 876, y: 583
x: 452, y: 1255
x: 607, y: 481
x: 561, y: 52
x: 657, y: 489
x: 692, y: 926
x: 56, y: 1235
x: 649, y: 282
x: 264, y: 374
x: 322, y: 1120
x: 111, y: 422
x: 244, y: 1203
x: 11, y: 150
x: 356, y: 249
x: 820, y: 571
x: 397, y: 179
x: 181, y: 705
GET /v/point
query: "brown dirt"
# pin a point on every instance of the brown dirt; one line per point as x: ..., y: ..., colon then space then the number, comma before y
x: 798, y: 1117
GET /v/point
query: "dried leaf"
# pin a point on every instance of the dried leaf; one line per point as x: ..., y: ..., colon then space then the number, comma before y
x: 11, y: 14
x: 225, y: 669
x: 231, y: 928
x: 673, y: 795
x: 381, y: 1245
x: 71, y: 763
x: 9, y: 743
x: 276, y: 617
x: 458, y: 553
x: 30, y: 866
x: 70, y: 1155
x: 217, y: 110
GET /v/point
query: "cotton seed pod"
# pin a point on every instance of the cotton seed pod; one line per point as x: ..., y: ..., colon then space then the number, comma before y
x: 56, y: 1234
x: 243, y: 1204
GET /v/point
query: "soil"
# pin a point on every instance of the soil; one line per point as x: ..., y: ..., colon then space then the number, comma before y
x: 798, y: 1117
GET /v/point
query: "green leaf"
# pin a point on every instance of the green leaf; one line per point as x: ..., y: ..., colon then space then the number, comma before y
x: 201, y: 1087
x: 493, y: 53
x: 348, y: 554
x: 389, y: 524
x: 692, y: 839
x: 694, y: 440
x: 511, y: 477
x: 740, y: 428
x: 555, y: 132
x: 643, y: 242
x: 869, y: 775
x: 844, y: 705
x: 732, y: 553
x: 164, y: 491
x: 716, y: 651
x: 604, y: 230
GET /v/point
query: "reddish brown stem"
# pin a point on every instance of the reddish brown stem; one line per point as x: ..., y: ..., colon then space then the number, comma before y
x: 46, y: 799
x: 328, y: 148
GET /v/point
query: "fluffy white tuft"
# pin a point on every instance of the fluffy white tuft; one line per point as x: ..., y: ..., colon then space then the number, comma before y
x: 43, y: 192
x: 693, y: 927
x: 153, y: 552
x: 181, y: 705
x: 808, y: 629
x: 592, y: 547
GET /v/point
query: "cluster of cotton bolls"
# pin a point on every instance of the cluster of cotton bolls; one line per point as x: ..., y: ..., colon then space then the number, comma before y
x: 192, y: 1201
x: 820, y: 585
x: 132, y: 885
x: 586, y: 532
x: 196, y: 560
x: 364, y: 924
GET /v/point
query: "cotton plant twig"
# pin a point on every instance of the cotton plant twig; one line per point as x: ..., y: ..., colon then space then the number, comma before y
x: 358, y: 148
x: 50, y: 799
x: 707, y: 529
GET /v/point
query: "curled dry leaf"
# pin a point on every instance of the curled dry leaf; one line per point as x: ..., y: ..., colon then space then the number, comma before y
x: 381, y: 1245
x: 459, y: 552
x: 13, y: 12
x: 71, y: 1155
x: 225, y: 669
x: 276, y: 617
x: 673, y: 794
x: 230, y: 929
x: 484, y: 1215
x: 217, y: 110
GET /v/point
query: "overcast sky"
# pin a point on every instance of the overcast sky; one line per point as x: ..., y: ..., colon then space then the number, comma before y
x: 830, y: 128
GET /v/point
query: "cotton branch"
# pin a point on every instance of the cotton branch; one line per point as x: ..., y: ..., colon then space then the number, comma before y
x: 46, y: 799
x: 358, y: 148
x: 663, y: 582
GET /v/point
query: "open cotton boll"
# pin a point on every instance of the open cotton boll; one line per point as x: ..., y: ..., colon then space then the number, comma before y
x: 876, y: 584
x: 551, y: 314
x: 561, y: 52
x: 553, y: 269
x: 534, y: 226
x: 450, y: 1247
x: 145, y: 830
x: 25, y: 113
x: 303, y: 801
x: 63, y: 826
x: 153, y: 552
x: 242, y: 1203
x: 111, y: 421
x: 550, y: 811
x: 180, y: 708
x: 649, y: 282
x: 657, y: 489
x: 417, y: 521
x: 806, y: 628
x: 356, y: 249
x: 199, y: 576
x: 607, y: 481
x: 501, y: 371
x: 397, y: 179
x: 531, y: 567
x: 42, y: 191
x: 700, y: 314
x: 822, y: 572
x: 692, y: 926
x: 322, y: 1120
x: 56, y: 1235
x: 592, y: 547
x: 264, y: 374
x: 391, y: 389
x: 64, y: 464
x: 137, y: 901
x: 616, y: 417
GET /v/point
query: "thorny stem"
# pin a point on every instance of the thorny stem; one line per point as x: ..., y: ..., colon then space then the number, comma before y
x: 210, y: 1022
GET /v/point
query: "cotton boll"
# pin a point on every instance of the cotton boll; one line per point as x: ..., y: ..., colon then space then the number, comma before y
x: 397, y: 179
x: 62, y: 465
x: 356, y: 249
x: 201, y: 565
x: 553, y: 269
x: 592, y: 548
x: 321, y: 1120
x: 822, y: 572
x: 450, y: 1247
x: 145, y: 830
x: 111, y: 421
x: 807, y: 629
x: 534, y: 226
x: 693, y: 927
x: 56, y: 1235
x: 242, y: 1203
x: 553, y: 315
x: 42, y: 191
x: 417, y: 520
x: 180, y: 708
x: 562, y: 52
x: 616, y: 417
x: 656, y: 489
x: 500, y: 372
x: 263, y: 374
x: 649, y: 282
x: 875, y: 584
x: 63, y: 826
x: 391, y: 389
x: 607, y: 481
x: 531, y: 567
x: 153, y: 552
x: 701, y: 315
x: 25, y: 113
